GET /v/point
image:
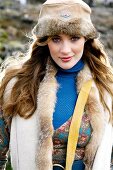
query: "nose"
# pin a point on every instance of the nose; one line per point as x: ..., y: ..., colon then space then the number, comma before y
x: 65, y: 48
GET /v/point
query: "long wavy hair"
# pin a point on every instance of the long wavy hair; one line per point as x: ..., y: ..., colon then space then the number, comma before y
x: 23, y: 98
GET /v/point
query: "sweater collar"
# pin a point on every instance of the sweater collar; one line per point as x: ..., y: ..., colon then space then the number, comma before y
x: 75, y: 69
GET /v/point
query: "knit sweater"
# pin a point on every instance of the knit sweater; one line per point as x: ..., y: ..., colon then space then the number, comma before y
x: 67, y: 94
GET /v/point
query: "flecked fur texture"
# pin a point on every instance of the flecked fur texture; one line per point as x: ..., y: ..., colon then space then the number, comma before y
x: 69, y: 17
x: 96, y: 112
x: 74, y: 27
x: 46, y: 104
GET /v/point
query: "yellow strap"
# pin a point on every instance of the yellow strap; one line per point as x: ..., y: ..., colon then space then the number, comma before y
x: 75, y: 123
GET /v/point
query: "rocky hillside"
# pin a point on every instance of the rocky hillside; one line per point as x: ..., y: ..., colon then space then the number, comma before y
x: 103, y: 20
x: 17, y: 21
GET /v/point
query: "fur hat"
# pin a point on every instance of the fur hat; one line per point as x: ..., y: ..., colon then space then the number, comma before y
x: 65, y: 16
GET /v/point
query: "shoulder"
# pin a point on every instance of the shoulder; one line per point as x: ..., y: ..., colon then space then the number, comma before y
x: 83, y: 76
x: 8, y: 88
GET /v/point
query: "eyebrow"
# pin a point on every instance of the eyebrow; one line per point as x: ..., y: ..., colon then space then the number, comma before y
x: 56, y: 36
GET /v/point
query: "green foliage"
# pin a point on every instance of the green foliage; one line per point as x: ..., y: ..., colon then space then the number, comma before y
x: 3, y: 35
x: 8, y: 166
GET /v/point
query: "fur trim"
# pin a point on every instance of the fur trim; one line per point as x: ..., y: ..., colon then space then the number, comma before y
x: 69, y: 17
x: 46, y: 104
x: 79, y: 27
x: 96, y: 112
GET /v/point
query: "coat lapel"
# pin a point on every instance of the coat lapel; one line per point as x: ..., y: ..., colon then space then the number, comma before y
x: 96, y: 112
x: 46, y: 104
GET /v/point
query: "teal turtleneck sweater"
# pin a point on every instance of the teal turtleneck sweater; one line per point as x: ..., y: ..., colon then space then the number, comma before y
x: 67, y: 94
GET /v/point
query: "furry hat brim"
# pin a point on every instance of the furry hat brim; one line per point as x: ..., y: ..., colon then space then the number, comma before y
x: 78, y: 27
x: 71, y: 17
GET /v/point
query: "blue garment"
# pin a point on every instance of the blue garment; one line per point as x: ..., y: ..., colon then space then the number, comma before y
x: 67, y: 94
x: 4, y: 141
x: 77, y: 165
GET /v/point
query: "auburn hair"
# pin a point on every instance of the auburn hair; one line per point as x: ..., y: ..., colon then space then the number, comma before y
x: 23, y: 99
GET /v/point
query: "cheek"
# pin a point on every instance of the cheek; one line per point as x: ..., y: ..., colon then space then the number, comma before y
x: 79, y: 48
x: 53, y: 54
x: 53, y: 50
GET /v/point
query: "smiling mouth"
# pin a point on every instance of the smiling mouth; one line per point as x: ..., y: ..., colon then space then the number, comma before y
x: 66, y: 59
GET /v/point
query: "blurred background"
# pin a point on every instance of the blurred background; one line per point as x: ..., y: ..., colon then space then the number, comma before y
x: 18, y: 17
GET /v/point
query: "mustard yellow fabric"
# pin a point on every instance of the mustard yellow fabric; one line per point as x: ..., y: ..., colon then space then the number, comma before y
x: 75, y: 124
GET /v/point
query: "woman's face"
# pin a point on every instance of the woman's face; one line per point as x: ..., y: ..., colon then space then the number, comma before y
x: 66, y: 50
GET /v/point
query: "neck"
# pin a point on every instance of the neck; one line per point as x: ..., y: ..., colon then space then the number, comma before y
x: 75, y: 69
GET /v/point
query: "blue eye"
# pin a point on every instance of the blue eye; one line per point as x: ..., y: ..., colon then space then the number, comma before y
x: 56, y: 39
x: 74, y: 38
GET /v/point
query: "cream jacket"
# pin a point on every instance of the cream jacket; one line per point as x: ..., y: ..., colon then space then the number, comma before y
x: 31, y: 140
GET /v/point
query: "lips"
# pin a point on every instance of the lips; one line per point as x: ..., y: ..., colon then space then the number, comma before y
x: 66, y: 59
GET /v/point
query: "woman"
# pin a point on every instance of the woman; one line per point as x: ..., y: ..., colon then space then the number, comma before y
x: 39, y: 96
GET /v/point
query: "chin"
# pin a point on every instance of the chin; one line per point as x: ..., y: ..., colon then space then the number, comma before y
x: 66, y: 67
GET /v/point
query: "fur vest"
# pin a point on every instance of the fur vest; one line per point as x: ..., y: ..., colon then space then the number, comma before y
x: 31, y: 140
